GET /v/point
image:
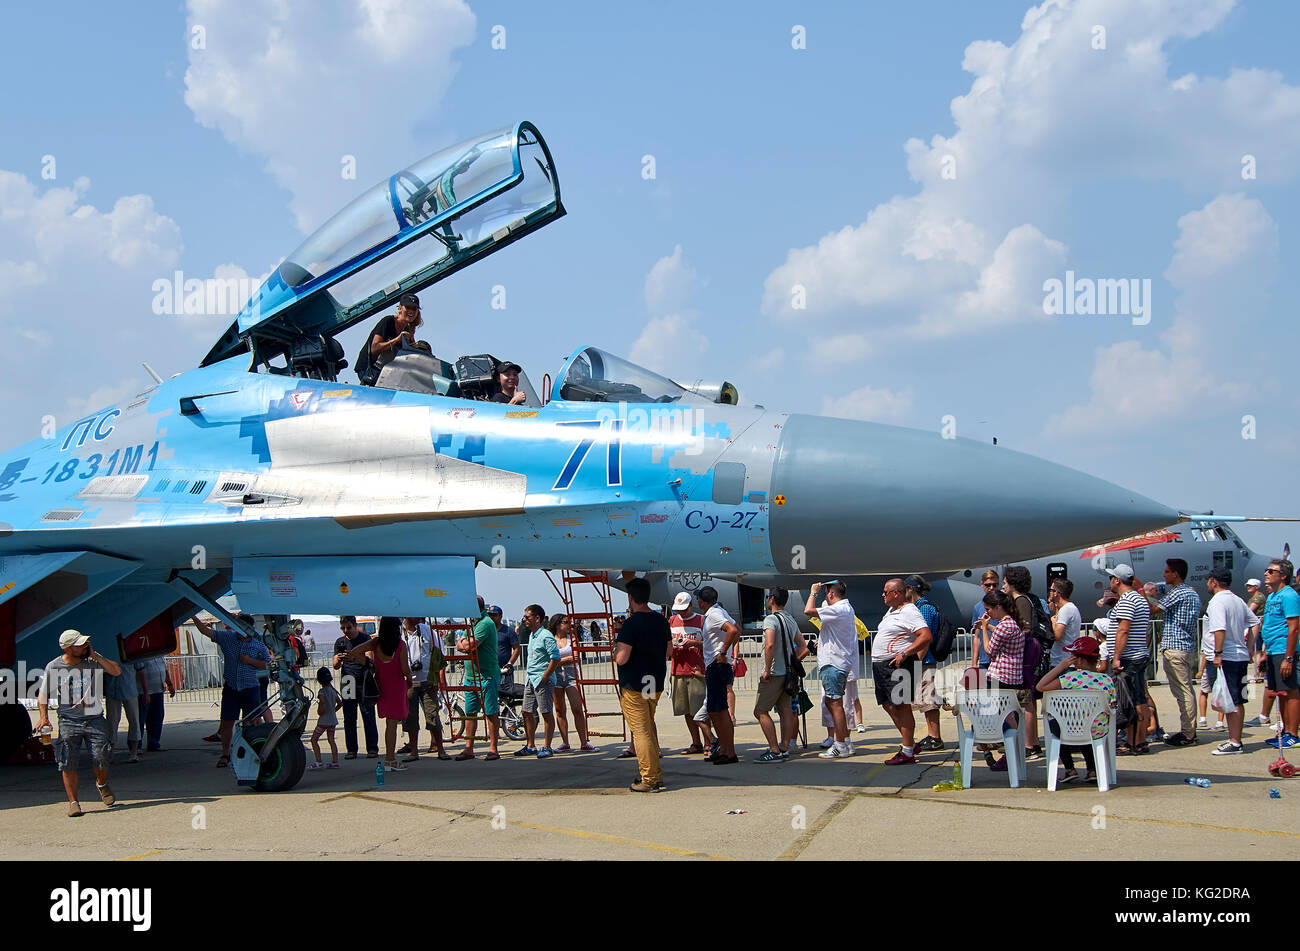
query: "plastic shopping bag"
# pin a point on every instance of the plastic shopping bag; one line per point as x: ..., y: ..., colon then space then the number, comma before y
x: 1220, y: 695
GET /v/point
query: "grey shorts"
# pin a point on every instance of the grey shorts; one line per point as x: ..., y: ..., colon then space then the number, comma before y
x: 539, y: 699
x: 73, y: 732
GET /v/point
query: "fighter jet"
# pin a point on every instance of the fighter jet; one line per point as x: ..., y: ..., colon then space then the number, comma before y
x: 265, y: 472
x: 1205, y: 542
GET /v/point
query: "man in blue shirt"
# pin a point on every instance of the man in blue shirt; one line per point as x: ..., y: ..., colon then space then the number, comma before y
x: 979, y: 613
x: 1278, y: 632
x: 539, y: 690
x: 244, y: 655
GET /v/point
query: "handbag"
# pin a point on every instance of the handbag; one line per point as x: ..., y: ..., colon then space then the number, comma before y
x: 369, y: 685
x: 741, y: 668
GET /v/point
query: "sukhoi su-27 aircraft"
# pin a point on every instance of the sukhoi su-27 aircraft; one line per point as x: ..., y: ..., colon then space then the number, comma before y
x: 263, y: 472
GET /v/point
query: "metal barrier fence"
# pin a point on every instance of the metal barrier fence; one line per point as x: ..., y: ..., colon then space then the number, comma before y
x: 201, y: 674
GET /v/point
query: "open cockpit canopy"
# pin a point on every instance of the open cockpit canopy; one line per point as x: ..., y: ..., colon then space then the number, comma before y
x: 405, y: 233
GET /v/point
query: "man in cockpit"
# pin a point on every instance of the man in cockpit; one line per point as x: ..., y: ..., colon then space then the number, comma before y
x: 388, y: 336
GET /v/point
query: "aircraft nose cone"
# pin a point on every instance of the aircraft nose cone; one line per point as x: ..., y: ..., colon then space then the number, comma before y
x: 865, y: 498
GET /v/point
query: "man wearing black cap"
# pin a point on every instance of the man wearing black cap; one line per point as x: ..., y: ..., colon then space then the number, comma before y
x: 916, y: 587
x: 508, y: 379
x: 391, y: 333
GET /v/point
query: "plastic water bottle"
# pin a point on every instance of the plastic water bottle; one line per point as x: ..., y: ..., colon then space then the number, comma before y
x: 956, y: 775
x: 1197, y: 781
x: 1274, y: 792
x: 379, y: 774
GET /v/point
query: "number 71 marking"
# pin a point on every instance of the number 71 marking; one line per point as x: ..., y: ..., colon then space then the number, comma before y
x: 613, y: 452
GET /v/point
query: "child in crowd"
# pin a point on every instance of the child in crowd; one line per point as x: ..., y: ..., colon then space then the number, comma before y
x: 328, y: 702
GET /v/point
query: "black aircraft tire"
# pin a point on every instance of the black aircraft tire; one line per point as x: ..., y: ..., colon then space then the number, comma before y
x: 15, y: 727
x: 287, y: 761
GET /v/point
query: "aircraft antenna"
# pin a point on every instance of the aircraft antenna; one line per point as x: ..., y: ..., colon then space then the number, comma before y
x: 153, y: 373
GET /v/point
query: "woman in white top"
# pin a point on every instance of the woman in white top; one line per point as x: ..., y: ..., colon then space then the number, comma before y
x: 566, y: 686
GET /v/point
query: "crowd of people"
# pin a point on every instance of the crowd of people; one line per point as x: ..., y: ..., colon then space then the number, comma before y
x: 1019, y: 642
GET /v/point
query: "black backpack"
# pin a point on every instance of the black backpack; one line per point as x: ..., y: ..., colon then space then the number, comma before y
x: 944, y: 635
x: 1040, y: 623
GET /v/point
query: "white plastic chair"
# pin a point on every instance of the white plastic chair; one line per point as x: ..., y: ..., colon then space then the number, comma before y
x: 1074, y: 712
x: 987, y: 711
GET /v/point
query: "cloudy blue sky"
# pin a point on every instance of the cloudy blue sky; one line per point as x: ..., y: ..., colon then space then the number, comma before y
x: 853, y: 211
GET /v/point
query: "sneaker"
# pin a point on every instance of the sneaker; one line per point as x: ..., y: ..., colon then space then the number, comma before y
x: 770, y: 757
x: 645, y: 787
x: 1201, y: 723
x: 999, y: 765
x: 586, y: 748
x: 135, y: 758
x: 930, y: 744
x: 331, y: 765
x: 899, y: 759
x: 784, y: 754
x: 1228, y: 748
x: 828, y: 743
x: 545, y: 752
x: 106, y: 794
x: 1220, y: 725
x: 1260, y: 720
x: 721, y: 760
x: 315, y: 765
x: 862, y: 728
x: 394, y: 768
x: 1288, y: 741
x: 1158, y: 734
x: 526, y: 751
x: 1178, y: 739
x: 565, y: 748
x: 350, y: 756
x: 834, y: 751
x: 74, y: 810
x: 848, y: 746
x: 1034, y: 752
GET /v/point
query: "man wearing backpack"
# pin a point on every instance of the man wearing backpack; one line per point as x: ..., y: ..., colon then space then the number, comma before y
x: 1034, y: 621
x: 916, y: 587
x: 782, y: 643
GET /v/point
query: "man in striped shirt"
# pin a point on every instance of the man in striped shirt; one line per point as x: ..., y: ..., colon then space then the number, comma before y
x: 1129, y: 620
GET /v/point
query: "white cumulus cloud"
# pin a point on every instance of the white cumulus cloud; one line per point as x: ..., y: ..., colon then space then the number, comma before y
x: 870, y: 403
x: 305, y: 83
x: 1224, y: 258
x: 971, y: 248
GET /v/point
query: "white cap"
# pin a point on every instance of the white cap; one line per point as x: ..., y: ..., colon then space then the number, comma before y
x: 682, y: 601
x: 1252, y: 582
x: 71, y: 638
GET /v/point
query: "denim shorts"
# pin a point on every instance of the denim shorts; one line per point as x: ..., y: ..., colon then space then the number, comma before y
x: 717, y: 678
x: 834, y: 682
x: 73, y: 732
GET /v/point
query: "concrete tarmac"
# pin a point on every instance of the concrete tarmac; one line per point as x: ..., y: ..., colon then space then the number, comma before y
x: 176, y: 805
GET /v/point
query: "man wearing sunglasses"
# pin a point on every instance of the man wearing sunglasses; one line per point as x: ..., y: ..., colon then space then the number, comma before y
x: 979, y: 618
x: 1278, y: 633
